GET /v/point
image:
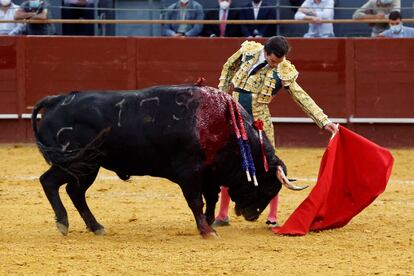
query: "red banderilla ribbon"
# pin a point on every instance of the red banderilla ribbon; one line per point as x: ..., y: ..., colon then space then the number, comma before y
x: 243, y: 156
x: 258, y: 124
x: 246, y: 146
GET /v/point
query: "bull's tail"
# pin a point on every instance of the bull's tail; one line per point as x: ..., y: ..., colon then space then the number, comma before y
x: 76, y: 160
x: 43, y: 103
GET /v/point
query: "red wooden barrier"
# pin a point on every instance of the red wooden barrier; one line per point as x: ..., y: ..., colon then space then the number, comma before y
x: 351, y: 79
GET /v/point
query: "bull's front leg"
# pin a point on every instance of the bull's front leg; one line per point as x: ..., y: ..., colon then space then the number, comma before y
x: 210, y: 194
x: 195, y: 202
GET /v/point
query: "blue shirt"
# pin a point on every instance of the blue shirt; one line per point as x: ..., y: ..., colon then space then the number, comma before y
x: 405, y: 32
x: 194, y: 11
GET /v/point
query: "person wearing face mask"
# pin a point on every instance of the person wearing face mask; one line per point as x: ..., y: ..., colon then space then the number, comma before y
x: 223, y: 12
x: 184, y: 10
x: 255, y: 73
x: 317, y: 10
x: 397, y: 29
x: 377, y: 9
x: 7, y: 11
x: 258, y: 10
x: 34, y: 9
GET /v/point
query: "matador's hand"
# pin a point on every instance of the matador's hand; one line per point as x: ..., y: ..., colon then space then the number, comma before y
x: 333, y: 128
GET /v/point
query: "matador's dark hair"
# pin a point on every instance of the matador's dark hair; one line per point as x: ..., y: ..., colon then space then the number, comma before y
x: 277, y: 45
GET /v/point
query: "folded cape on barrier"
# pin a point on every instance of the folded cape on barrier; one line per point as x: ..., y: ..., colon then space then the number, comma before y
x: 353, y: 172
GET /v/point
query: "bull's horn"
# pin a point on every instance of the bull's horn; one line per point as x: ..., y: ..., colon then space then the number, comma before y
x: 285, y: 181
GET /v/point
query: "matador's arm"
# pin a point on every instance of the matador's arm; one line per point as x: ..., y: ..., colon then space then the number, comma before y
x: 229, y: 69
x: 288, y: 74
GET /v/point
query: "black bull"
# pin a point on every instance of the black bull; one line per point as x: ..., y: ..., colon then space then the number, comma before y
x: 182, y: 133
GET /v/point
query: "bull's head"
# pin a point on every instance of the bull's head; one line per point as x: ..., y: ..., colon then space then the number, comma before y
x: 251, y: 200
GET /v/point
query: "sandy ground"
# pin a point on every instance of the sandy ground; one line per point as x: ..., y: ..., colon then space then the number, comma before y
x: 151, y: 231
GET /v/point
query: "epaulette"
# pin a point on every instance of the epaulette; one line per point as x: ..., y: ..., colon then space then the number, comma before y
x: 250, y: 47
x: 287, y: 71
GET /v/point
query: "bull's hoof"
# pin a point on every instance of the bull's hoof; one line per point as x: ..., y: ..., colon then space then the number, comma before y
x: 63, y: 229
x: 100, y: 232
x: 97, y: 229
x: 210, y: 235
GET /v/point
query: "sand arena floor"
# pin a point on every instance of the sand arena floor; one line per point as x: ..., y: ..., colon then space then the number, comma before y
x: 151, y: 231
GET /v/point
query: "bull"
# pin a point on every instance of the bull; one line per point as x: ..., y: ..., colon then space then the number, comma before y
x: 182, y: 133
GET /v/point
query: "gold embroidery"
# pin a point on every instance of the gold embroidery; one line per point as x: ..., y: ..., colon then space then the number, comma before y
x: 251, y: 48
x: 287, y: 72
x: 263, y: 83
x: 307, y: 104
x: 229, y: 69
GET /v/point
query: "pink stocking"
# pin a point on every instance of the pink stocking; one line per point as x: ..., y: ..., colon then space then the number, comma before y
x: 224, y: 204
x: 273, y: 209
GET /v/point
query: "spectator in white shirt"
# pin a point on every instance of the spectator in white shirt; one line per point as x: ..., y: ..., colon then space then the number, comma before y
x: 317, y: 10
x: 7, y: 10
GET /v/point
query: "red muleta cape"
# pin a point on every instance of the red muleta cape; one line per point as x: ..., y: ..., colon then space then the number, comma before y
x: 353, y: 172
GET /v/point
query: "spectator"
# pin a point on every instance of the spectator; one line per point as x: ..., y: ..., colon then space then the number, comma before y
x: 258, y: 10
x: 7, y: 11
x: 397, y: 29
x: 34, y: 9
x: 377, y: 9
x: 83, y: 10
x: 184, y: 10
x: 223, y: 12
x: 317, y: 10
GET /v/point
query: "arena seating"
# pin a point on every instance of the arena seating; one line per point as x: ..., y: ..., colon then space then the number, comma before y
x: 344, y: 10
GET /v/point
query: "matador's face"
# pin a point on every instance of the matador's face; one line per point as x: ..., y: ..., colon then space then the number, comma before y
x: 273, y: 60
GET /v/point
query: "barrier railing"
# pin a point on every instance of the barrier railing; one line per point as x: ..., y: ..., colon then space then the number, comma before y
x: 149, y: 21
x: 276, y: 7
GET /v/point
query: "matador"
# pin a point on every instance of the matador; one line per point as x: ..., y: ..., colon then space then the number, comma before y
x: 257, y: 72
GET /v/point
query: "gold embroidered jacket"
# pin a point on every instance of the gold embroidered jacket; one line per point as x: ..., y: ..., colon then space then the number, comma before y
x: 267, y: 81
